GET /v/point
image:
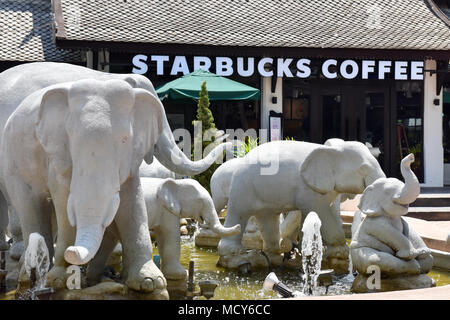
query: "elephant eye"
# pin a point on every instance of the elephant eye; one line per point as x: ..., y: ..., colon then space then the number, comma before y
x: 124, y: 139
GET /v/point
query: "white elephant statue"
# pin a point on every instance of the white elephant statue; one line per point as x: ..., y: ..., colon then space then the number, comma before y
x: 53, y: 169
x: 81, y: 143
x: 20, y: 81
x: 167, y: 201
x: 383, y: 238
x: 290, y: 223
x: 285, y: 176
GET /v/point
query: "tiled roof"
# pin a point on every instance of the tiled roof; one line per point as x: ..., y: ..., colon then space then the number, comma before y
x: 26, y: 32
x: 381, y: 24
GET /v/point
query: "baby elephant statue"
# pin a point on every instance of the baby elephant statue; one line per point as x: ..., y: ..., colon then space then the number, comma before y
x: 168, y: 200
x: 382, y: 242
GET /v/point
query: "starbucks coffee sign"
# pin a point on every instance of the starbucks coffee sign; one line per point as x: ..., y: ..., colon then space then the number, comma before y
x: 278, y: 67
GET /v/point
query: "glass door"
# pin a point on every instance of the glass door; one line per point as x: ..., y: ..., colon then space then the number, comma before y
x: 357, y: 113
x: 375, y: 125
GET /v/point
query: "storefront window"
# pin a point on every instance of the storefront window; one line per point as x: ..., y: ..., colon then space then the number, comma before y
x: 296, y: 111
x: 331, y: 116
x: 409, y: 127
x: 374, y: 139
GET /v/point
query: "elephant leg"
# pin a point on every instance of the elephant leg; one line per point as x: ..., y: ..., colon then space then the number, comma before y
x: 236, y: 214
x: 96, y: 266
x: 35, y: 216
x: 269, y: 226
x: 389, y: 265
x: 169, y: 246
x: 3, y: 222
x: 57, y: 276
x: 290, y: 230
x: 139, y: 270
x: 337, y: 253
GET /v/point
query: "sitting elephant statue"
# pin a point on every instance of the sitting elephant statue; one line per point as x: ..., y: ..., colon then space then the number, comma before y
x: 383, y: 238
x: 282, y: 176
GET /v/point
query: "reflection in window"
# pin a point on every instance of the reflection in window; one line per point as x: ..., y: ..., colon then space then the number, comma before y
x: 331, y: 116
x: 374, y: 124
x: 296, y: 113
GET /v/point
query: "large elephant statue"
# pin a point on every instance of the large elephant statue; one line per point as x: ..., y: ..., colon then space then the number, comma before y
x: 81, y: 143
x: 382, y: 237
x: 285, y: 176
x: 20, y: 81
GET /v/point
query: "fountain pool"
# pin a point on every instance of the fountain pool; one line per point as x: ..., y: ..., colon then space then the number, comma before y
x: 233, y: 286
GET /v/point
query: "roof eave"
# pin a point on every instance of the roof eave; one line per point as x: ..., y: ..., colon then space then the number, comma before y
x: 199, y: 49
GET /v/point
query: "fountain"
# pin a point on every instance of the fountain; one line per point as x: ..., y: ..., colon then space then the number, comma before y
x: 36, y: 265
x: 312, y: 250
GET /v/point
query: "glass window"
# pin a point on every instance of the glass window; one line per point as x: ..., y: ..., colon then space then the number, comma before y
x: 296, y: 110
x: 375, y: 104
x: 331, y: 116
x: 409, y: 127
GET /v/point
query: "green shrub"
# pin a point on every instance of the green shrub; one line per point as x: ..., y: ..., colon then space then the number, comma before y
x: 204, y: 115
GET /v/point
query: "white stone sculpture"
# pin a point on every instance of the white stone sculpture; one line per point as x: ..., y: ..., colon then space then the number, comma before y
x: 220, y: 190
x: 382, y: 238
x: 81, y: 143
x: 19, y: 82
x: 167, y: 201
x: 289, y: 175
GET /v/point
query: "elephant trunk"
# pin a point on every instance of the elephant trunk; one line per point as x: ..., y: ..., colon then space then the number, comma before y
x: 411, y: 189
x: 170, y: 155
x: 87, y: 243
x: 212, y: 221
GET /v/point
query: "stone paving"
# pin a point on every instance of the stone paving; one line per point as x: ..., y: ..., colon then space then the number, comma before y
x: 437, y: 293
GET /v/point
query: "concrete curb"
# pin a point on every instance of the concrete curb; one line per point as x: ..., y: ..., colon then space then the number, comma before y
x: 436, y: 293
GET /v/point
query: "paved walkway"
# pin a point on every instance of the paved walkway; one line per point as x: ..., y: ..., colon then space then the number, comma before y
x: 437, y: 293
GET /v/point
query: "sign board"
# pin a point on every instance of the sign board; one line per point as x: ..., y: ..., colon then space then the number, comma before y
x: 279, y: 67
x: 275, y: 126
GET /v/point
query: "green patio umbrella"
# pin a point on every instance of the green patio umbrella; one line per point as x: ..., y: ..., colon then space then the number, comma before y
x: 219, y: 88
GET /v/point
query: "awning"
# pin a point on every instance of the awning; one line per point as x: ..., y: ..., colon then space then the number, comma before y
x: 219, y: 88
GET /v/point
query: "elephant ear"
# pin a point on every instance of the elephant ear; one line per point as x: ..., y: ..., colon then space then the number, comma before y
x: 317, y: 169
x: 50, y: 128
x: 167, y: 195
x: 148, y: 113
x: 370, y: 203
